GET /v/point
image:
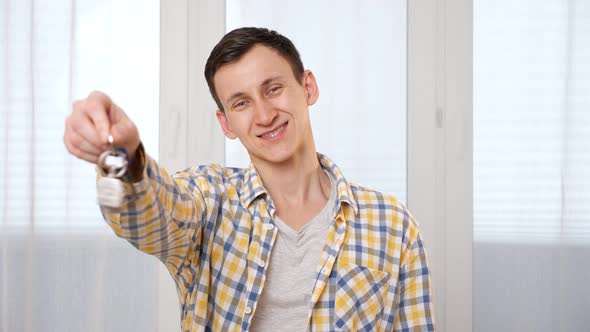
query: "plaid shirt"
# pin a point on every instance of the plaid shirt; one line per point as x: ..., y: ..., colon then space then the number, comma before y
x: 213, y: 229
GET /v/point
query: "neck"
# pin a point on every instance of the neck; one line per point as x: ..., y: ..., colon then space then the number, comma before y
x: 297, y: 181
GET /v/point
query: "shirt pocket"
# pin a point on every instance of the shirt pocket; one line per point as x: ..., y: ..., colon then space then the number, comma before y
x: 360, y: 298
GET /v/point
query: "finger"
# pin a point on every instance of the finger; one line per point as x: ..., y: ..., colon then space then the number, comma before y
x: 91, y: 158
x: 97, y: 107
x: 83, y: 144
x: 124, y: 131
x: 124, y: 134
x: 83, y: 126
x: 78, y: 105
x: 116, y: 114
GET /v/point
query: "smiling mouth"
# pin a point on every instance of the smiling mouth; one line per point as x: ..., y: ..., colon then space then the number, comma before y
x: 275, y: 132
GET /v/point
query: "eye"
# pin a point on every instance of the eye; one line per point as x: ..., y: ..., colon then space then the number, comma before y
x: 240, y: 104
x: 274, y: 90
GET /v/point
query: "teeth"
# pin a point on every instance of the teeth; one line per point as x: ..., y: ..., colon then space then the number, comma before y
x: 274, y: 133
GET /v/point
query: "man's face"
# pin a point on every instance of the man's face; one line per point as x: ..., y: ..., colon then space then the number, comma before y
x: 266, y: 107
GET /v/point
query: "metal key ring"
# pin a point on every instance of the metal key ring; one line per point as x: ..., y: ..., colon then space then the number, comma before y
x: 113, y: 172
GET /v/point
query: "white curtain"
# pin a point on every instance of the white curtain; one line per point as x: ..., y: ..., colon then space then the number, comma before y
x: 357, y: 51
x: 61, y: 268
x: 532, y: 165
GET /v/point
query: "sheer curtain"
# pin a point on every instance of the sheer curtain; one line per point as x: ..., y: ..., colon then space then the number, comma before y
x: 531, y: 165
x: 61, y: 268
x: 357, y: 51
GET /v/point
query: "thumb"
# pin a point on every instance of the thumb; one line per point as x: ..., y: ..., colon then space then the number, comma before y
x: 97, y: 106
x: 116, y: 113
x: 125, y: 134
x: 119, y: 125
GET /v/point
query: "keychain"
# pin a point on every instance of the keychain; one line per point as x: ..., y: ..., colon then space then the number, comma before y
x: 111, y: 190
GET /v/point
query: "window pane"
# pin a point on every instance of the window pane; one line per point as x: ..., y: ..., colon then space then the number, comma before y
x: 531, y: 121
x: 357, y: 51
x: 531, y: 165
x: 59, y: 53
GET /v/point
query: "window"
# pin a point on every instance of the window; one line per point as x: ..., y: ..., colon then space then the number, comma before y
x: 52, y: 56
x: 531, y: 170
x: 531, y: 121
x: 61, y: 268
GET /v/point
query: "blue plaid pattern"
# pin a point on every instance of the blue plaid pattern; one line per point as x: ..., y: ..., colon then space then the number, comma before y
x: 212, y: 227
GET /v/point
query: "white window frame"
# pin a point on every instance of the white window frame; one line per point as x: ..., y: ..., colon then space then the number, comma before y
x: 440, y: 149
x: 189, y: 132
x: 440, y: 133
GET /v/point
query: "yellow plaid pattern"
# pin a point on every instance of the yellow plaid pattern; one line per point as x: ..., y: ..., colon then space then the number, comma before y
x: 212, y: 227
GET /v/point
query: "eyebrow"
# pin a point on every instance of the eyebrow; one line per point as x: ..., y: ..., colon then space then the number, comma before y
x: 266, y: 82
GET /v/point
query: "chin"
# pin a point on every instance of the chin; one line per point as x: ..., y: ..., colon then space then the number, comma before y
x: 274, y: 157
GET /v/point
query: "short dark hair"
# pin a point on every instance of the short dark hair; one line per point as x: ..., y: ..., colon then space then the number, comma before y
x: 235, y: 44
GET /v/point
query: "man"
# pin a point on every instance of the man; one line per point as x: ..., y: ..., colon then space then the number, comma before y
x: 284, y: 245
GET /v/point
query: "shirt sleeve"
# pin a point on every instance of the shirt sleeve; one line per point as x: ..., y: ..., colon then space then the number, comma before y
x: 163, y: 216
x: 414, y: 308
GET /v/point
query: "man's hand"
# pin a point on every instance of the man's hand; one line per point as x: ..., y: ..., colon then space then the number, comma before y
x: 92, y: 119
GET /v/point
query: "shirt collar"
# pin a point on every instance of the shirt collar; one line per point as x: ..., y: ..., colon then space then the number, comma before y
x: 344, y: 195
x: 253, y: 186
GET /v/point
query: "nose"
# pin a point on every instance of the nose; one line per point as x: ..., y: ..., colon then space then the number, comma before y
x: 265, y: 113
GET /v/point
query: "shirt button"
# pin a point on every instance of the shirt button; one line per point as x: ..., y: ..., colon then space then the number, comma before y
x: 248, y: 310
x: 269, y: 227
x: 261, y: 263
x: 324, y: 270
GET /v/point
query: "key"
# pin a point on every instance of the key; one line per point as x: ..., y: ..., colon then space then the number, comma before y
x: 111, y: 191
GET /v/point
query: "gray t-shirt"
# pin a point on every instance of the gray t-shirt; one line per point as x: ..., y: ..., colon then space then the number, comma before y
x: 284, y: 302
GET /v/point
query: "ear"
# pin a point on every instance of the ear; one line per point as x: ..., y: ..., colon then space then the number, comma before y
x: 225, y: 127
x: 311, y: 87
